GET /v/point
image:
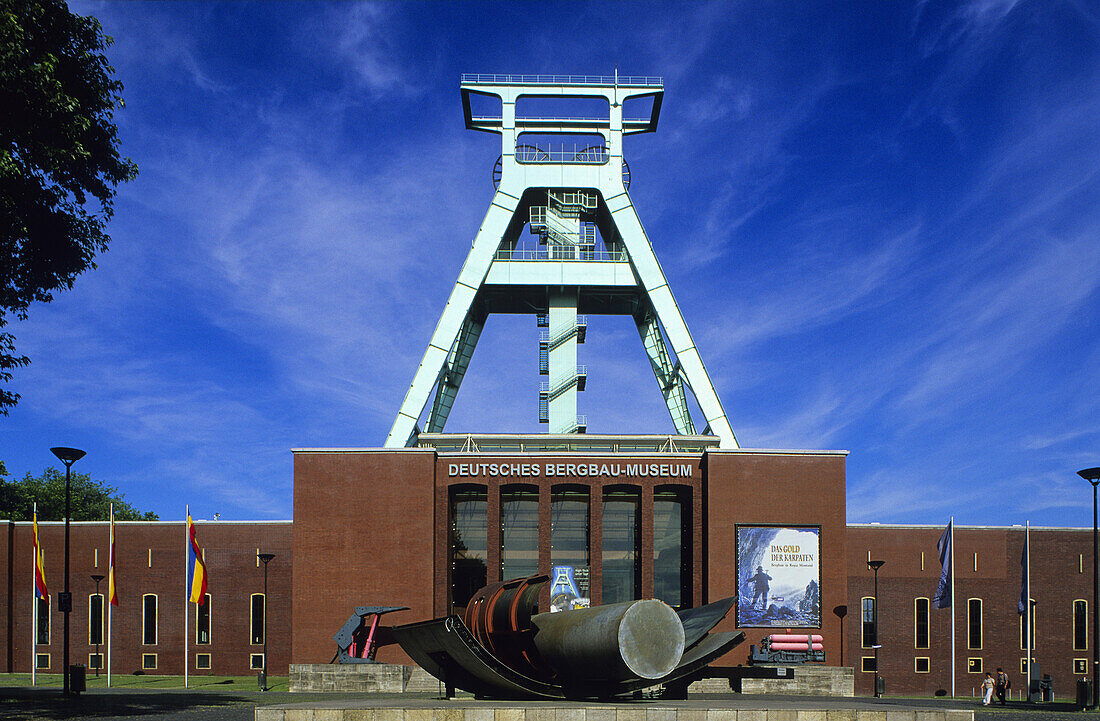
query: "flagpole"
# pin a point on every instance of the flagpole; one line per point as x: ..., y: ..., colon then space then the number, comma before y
x: 952, y: 544
x: 34, y: 602
x: 186, y: 592
x: 110, y: 590
x: 1027, y: 618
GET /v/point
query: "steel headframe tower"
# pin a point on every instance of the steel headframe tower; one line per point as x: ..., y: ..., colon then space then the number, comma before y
x: 592, y: 256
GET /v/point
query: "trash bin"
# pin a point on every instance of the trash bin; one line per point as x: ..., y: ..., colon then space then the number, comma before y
x: 1084, y: 693
x: 78, y: 678
x: 880, y: 686
x: 1046, y: 688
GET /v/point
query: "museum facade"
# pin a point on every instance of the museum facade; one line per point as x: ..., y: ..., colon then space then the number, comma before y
x: 630, y: 516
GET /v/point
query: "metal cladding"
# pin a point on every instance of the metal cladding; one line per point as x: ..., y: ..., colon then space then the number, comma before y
x: 505, y: 650
x: 618, y: 642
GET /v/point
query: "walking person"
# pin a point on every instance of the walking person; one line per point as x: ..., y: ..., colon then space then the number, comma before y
x: 987, y: 689
x: 1002, y: 685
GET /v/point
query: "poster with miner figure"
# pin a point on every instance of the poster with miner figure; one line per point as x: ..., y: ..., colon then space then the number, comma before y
x: 779, y: 576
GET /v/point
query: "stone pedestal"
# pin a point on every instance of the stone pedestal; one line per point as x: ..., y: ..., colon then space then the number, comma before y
x: 808, y: 681
x: 361, y: 678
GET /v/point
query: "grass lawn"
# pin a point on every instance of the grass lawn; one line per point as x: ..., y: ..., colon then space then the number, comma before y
x: 229, y: 684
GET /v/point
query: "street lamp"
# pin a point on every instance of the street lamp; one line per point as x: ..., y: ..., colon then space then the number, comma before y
x: 97, y: 577
x: 1092, y: 475
x: 842, y: 611
x: 875, y: 566
x: 266, y: 558
x: 68, y: 456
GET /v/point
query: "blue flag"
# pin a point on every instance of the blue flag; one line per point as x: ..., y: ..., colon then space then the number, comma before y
x: 1021, y: 607
x: 942, y: 598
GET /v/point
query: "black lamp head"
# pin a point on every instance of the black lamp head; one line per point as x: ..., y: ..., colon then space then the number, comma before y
x: 1092, y: 475
x: 68, y: 456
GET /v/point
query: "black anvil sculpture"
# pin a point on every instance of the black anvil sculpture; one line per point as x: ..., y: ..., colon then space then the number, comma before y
x: 502, y: 649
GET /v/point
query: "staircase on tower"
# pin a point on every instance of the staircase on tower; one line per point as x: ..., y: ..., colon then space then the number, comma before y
x: 561, y: 241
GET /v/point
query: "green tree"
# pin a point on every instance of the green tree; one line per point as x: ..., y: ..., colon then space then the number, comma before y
x: 58, y: 154
x: 88, y: 500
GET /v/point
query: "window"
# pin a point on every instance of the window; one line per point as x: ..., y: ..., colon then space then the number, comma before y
x: 1080, y: 666
x: 1023, y: 667
x: 922, y: 664
x: 42, y: 636
x: 974, y: 623
x: 202, y: 622
x: 256, y: 661
x: 95, y: 660
x: 868, y: 633
x: 468, y: 542
x: 920, y: 624
x: 258, y: 625
x: 672, y: 545
x: 1034, y: 624
x: 1080, y: 625
x: 622, y: 578
x: 42, y: 661
x: 867, y: 664
x: 202, y: 661
x: 149, y: 621
x: 569, y: 533
x: 973, y: 665
x: 149, y: 661
x: 519, y: 531
x: 95, y: 619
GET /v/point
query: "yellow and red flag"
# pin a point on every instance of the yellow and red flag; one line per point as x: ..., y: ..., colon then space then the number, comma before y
x: 39, y: 565
x: 112, y: 595
x: 196, y: 569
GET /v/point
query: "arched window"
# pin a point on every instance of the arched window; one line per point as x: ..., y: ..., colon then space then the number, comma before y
x: 621, y: 537
x: 1080, y: 625
x: 1034, y: 624
x: 95, y: 619
x: 202, y: 622
x: 920, y: 624
x: 868, y: 636
x: 569, y: 531
x: 42, y: 633
x: 519, y: 531
x: 258, y: 619
x: 672, y: 545
x: 149, y: 619
x: 468, y: 541
x: 974, y: 623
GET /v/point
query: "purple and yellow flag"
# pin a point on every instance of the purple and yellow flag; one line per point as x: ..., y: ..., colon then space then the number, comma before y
x: 196, y: 569
x: 39, y: 566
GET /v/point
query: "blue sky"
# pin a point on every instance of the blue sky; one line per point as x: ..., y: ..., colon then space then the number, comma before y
x: 881, y: 222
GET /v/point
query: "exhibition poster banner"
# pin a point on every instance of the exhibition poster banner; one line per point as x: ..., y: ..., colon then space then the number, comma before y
x: 779, y: 576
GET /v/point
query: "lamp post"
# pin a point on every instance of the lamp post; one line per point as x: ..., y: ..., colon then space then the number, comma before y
x: 1092, y: 475
x: 97, y: 577
x: 875, y: 566
x: 266, y: 559
x: 68, y: 456
x: 842, y: 611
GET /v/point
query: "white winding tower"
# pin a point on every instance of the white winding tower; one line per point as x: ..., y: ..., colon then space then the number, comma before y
x: 590, y: 255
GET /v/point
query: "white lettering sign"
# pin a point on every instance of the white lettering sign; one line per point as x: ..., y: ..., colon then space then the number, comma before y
x: 570, y: 470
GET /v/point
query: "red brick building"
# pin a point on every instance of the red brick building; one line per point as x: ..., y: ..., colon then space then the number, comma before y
x: 226, y: 637
x: 633, y: 516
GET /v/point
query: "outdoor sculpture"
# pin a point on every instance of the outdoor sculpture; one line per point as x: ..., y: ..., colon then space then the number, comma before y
x: 501, y: 648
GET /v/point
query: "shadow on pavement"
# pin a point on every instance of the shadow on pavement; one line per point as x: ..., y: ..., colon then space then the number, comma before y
x: 48, y: 703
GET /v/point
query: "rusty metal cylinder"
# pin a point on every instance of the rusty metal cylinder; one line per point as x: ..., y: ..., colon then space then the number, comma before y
x: 617, y: 642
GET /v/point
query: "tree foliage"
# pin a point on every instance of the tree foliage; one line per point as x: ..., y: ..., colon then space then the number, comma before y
x: 88, y: 500
x: 58, y: 154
